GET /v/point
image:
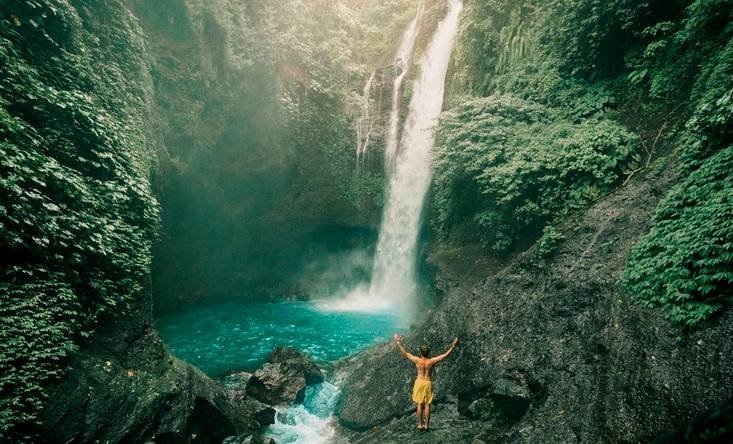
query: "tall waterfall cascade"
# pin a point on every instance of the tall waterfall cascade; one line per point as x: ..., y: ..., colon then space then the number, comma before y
x: 402, y: 65
x: 393, y: 283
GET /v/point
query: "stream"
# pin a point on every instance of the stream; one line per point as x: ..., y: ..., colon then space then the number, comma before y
x: 232, y: 337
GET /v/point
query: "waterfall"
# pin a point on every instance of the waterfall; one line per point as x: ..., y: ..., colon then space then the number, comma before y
x: 393, y: 283
x: 363, y: 134
x: 401, y: 65
x: 394, y: 272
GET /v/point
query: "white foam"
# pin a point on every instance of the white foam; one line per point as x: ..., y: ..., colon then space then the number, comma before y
x: 310, y: 422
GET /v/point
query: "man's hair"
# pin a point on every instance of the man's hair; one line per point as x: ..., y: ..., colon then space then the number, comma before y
x: 424, y: 351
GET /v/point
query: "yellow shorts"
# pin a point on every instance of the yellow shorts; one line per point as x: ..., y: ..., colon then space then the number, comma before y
x: 422, y: 391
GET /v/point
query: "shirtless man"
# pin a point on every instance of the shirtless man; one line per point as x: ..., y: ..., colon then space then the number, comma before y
x: 422, y: 391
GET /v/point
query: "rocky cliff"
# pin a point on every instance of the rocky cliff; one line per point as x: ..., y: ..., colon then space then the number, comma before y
x: 552, y: 350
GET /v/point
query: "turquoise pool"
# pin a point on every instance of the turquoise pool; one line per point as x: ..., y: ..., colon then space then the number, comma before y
x: 224, y: 338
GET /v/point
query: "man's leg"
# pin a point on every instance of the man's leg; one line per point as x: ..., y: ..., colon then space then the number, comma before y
x: 426, y: 416
x: 419, y: 415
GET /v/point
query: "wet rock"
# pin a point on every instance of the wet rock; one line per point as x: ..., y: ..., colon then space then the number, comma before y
x: 247, y: 406
x: 283, y: 379
x: 252, y: 408
x: 277, y: 384
x: 237, y: 380
x: 286, y: 418
x: 296, y: 359
x: 248, y: 439
x: 594, y: 368
x: 151, y: 397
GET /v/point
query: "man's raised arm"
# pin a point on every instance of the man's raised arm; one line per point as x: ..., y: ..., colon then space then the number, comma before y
x: 447, y: 352
x: 405, y: 353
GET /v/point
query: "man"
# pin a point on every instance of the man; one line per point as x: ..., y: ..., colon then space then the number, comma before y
x: 422, y: 391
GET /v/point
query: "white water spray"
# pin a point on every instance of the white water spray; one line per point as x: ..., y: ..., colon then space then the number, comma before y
x: 311, y: 422
x: 393, y: 285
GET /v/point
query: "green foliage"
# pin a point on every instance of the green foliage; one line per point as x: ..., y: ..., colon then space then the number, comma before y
x: 710, y: 126
x: 685, y: 264
x: 670, y: 62
x: 508, y: 167
x: 515, y: 42
x: 666, y: 62
x: 77, y: 216
x: 549, y: 243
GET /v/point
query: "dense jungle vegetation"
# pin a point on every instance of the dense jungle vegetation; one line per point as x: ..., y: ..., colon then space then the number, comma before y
x: 554, y: 104
x: 218, y: 136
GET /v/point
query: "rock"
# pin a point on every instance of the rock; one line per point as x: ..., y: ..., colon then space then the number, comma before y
x: 511, y: 389
x: 286, y: 418
x: 151, y: 397
x: 248, y: 439
x: 277, y: 384
x: 713, y: 426
x: 237, y: 380
x: 283, y: 379
x: 552, y: 353
x: 236, y: 390
x: 252, y: 408
x: 299, y: 360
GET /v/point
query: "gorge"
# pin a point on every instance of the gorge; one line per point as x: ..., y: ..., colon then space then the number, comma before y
x: 549, y: 180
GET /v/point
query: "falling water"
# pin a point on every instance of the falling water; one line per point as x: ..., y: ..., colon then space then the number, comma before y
x: 365, y: 123
x: 393, y: 276
x: 393, y: 285
x: 402, y: 65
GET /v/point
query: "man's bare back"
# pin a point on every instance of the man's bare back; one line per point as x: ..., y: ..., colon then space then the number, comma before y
x: 424, y: 368
x: 422, y: 392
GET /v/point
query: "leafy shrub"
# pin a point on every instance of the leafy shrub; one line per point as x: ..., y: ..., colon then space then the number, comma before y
x: 508, y: 167
x: 685, y: 264
x: 549, y: 243
x: 667, y: 62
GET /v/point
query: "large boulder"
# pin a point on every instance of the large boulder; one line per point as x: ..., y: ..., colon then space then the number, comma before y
x: 246, y: 406
x: 296, y: 359
x: 277, y: 384
x: 130, y: 389
x: 284, y: 378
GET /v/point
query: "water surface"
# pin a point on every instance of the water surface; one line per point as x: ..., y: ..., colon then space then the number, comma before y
x: 224, y: 338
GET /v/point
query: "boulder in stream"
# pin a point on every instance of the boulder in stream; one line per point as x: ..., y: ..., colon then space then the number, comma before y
x: 284, y: 378
x: 298, y: 360
x: 277, y: 384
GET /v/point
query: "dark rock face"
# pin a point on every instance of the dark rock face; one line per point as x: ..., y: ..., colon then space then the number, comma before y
x: 247, y: 407
x: 234, y: 196
x: 713, y: 426
x: 294, y: 358
x: 126, y: 387
x: 552, y: 351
